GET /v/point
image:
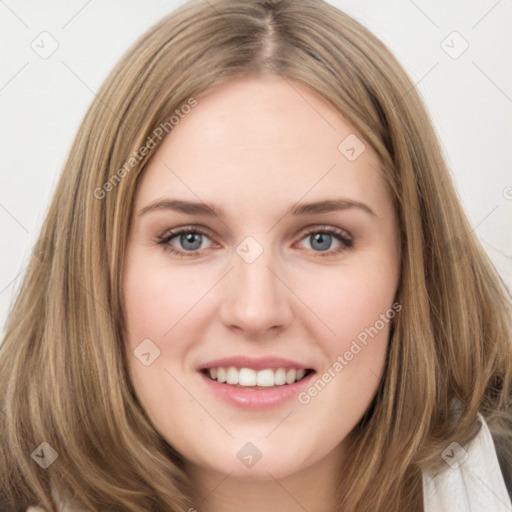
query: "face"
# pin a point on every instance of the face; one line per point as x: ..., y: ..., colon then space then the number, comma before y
x: 282, y: 288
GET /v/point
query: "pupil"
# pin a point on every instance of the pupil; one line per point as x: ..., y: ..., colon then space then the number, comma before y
x: 321, y: 237
x: 189, y: 238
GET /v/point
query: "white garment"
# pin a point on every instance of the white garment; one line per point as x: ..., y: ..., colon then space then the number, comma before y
x: 472, y: 480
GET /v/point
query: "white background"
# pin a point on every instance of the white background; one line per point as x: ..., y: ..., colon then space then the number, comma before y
x: 44, y: 100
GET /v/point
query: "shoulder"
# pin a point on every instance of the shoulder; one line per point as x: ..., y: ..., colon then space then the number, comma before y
x: 472, y: 477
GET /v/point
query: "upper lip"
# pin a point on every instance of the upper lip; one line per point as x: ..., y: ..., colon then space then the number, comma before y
x: 260, y: 363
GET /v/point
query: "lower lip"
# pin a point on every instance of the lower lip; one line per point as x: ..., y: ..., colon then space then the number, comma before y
x: 256, y: 399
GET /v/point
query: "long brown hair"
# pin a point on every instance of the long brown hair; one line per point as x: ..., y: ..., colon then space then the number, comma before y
x: 63, y: 369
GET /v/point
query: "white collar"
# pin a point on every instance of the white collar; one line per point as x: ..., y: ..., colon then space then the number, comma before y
x: 472, y: 480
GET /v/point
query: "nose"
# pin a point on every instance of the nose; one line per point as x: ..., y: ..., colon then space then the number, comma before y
x: 256, y: 299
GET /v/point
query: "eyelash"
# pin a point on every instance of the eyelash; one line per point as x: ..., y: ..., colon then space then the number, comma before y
x: 339, y: 234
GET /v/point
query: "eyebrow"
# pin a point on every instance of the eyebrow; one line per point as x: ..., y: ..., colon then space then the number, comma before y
x: 210, y: 210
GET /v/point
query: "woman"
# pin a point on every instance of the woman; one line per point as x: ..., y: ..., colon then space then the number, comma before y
x: 334, y: 338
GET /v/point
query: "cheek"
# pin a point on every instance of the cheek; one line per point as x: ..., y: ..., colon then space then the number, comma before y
x: 358, y: 310
x: 355, y: 306
x: 350, y: 301
x: 157, y: 297
x: 159, y: 303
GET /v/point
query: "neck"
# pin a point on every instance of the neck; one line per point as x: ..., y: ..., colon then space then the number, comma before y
x: 311, y: 488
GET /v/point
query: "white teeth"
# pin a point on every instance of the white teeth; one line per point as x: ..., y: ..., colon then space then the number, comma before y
x: 290, y: 376
x: 232, y: 375
x: 280, y: 377
x: 265, y: 378
x: 247, y: 377
x: 250, y: 377
x: 221, y: 375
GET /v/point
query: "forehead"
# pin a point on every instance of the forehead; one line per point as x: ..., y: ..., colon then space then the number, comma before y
x: 255, y: 141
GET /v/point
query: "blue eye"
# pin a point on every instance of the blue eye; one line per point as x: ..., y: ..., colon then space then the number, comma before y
x: 190, y: 240
x: 321, y: 240
x: 324, y: 240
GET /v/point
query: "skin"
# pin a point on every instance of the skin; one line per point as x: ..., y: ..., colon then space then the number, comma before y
x: 256, y: 147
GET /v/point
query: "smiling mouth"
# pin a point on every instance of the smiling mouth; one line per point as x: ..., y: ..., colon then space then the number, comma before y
x: 247, y: 378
